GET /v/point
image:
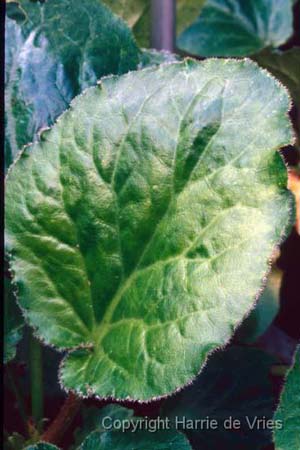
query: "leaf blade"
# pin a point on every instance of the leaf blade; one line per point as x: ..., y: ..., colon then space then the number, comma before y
x: 226, y: 28
x: 177, y: 204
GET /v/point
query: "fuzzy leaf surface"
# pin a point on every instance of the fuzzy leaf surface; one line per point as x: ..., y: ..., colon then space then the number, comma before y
x: 238, y: 27
x: 62, y: 47
x: 135, y: 232
x: 288, y: 438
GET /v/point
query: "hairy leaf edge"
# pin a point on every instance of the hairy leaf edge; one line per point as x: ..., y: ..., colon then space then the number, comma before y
x: 285, y: 232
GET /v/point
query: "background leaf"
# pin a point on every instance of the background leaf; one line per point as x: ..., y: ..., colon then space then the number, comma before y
x: 288, y: 437
x: 42, y: 446
x: 265, y: 311
x: 161, y: 440
x: 98, y: 438
x: 13, y: 324
x: 137, y: 13
x: 61, y: 48
x: 238, y: 27
x: 235, y: 383
x: 284, y: 65
x: 166, y: 179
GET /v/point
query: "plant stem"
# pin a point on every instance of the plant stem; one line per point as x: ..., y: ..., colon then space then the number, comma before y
x: 36, y: 379
x: 163, y: 24
x: 63, y: 420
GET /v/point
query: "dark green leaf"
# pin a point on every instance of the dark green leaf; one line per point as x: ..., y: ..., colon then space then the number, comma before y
x: 234, y: 384
x: 285, y: 65
x: 61, y: 48
x: 238, y: 27
x: 140, y: 440
x: 143, y: 227
x: 287, y: 437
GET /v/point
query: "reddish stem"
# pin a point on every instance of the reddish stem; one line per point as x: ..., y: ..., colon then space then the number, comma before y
x: 63, y: 420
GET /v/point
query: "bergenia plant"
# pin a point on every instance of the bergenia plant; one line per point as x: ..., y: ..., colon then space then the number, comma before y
x: 146, y: 197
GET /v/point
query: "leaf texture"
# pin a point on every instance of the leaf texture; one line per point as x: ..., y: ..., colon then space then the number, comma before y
x: 238, y: 27
x: 62, y: 47
x: 140, y: 227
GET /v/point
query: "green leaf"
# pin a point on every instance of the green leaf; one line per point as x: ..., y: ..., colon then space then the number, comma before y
x: 13, y: 323
x: 153, y: 57
x: 235, y: 383
x: 42, y: 446
x: 61, y: 48
x: 186, y: 12
x: 287, y: 437
x: 142, y: 229
x: 129, y: 10
x: 96, y: 423
x: 92, y: 420
x: 238, y: 27
x: 117, y: 440
x: 285, y: 65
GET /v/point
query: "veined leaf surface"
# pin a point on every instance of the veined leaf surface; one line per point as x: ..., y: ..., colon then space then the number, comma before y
x: 140, y: 227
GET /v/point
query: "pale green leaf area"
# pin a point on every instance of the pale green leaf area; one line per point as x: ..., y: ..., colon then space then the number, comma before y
x: 144, y: 224
x: 234, y: 383
x: 152, y: 57
x: 284, y: 65
x: 13, y: 324
x: 140, y: 440
x: 62, y: 47
x: 288, y: 437
x: 238, y: 27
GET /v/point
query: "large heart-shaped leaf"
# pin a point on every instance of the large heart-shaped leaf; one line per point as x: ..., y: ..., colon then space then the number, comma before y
x: 287, y: 435
x: 141, y: 225
x: 233, y: 388
x: 238, y: 27
x: 61, y: 47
